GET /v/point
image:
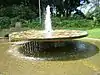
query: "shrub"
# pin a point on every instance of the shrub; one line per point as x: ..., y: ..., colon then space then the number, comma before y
x: 32, y: 24
x: 16, y: 19
x: 15, y: 13
x: 5, y: 11
x: 74, y: 23
x: 77, y: 17
x: 5, y: 22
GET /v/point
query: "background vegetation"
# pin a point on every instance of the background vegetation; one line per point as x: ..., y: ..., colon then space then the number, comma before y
x: 26, y: 12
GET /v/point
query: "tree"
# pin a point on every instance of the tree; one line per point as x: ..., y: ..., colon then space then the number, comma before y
x: 63, y: 6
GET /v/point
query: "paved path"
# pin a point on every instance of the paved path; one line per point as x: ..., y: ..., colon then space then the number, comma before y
x: 91, y: 39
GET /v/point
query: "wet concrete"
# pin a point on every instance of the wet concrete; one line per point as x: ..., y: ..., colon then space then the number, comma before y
x: 89, y: 65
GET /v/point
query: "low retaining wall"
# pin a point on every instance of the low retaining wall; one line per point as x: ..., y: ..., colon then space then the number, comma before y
x: 4, y: 39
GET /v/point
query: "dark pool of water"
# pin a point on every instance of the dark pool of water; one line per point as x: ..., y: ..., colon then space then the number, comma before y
x: 67, y: 50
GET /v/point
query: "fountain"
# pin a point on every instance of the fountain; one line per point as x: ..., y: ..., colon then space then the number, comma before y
x: 48, y: 26
x: 40, y: 43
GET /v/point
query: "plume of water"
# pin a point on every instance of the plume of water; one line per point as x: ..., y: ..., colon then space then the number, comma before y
x: 48, y: 26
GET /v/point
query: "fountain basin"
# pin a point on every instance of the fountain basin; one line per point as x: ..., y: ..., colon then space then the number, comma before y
x: 40, y: 35
x: 38, y: 43
x: 68, y: 50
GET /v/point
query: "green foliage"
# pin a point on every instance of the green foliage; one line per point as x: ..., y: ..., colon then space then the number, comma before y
x: 68, y: 23
x: 14, y: 20
x: 32, y: 24
x: 15, y: 13
x: 5, y: 22
x: 5, y: 12
x: 95, y: 14
x: 76, y: 17
x: 23, y: 12
x: 96, y: 17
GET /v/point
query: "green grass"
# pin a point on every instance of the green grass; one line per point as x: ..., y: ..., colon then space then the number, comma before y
x: 94, y: 33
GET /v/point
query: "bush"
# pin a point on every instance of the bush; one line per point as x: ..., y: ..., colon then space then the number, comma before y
x: 16, y: 19
x: 74, y: 23
x: 32, y: 24
x: 5, y: 22
x: 15, y: 13
x: 5, y: 11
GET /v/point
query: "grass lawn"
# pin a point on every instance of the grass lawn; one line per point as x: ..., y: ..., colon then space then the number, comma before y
x: 94, y: 33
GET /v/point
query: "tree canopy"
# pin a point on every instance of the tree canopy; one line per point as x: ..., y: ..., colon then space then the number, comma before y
x: 62, y: 5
